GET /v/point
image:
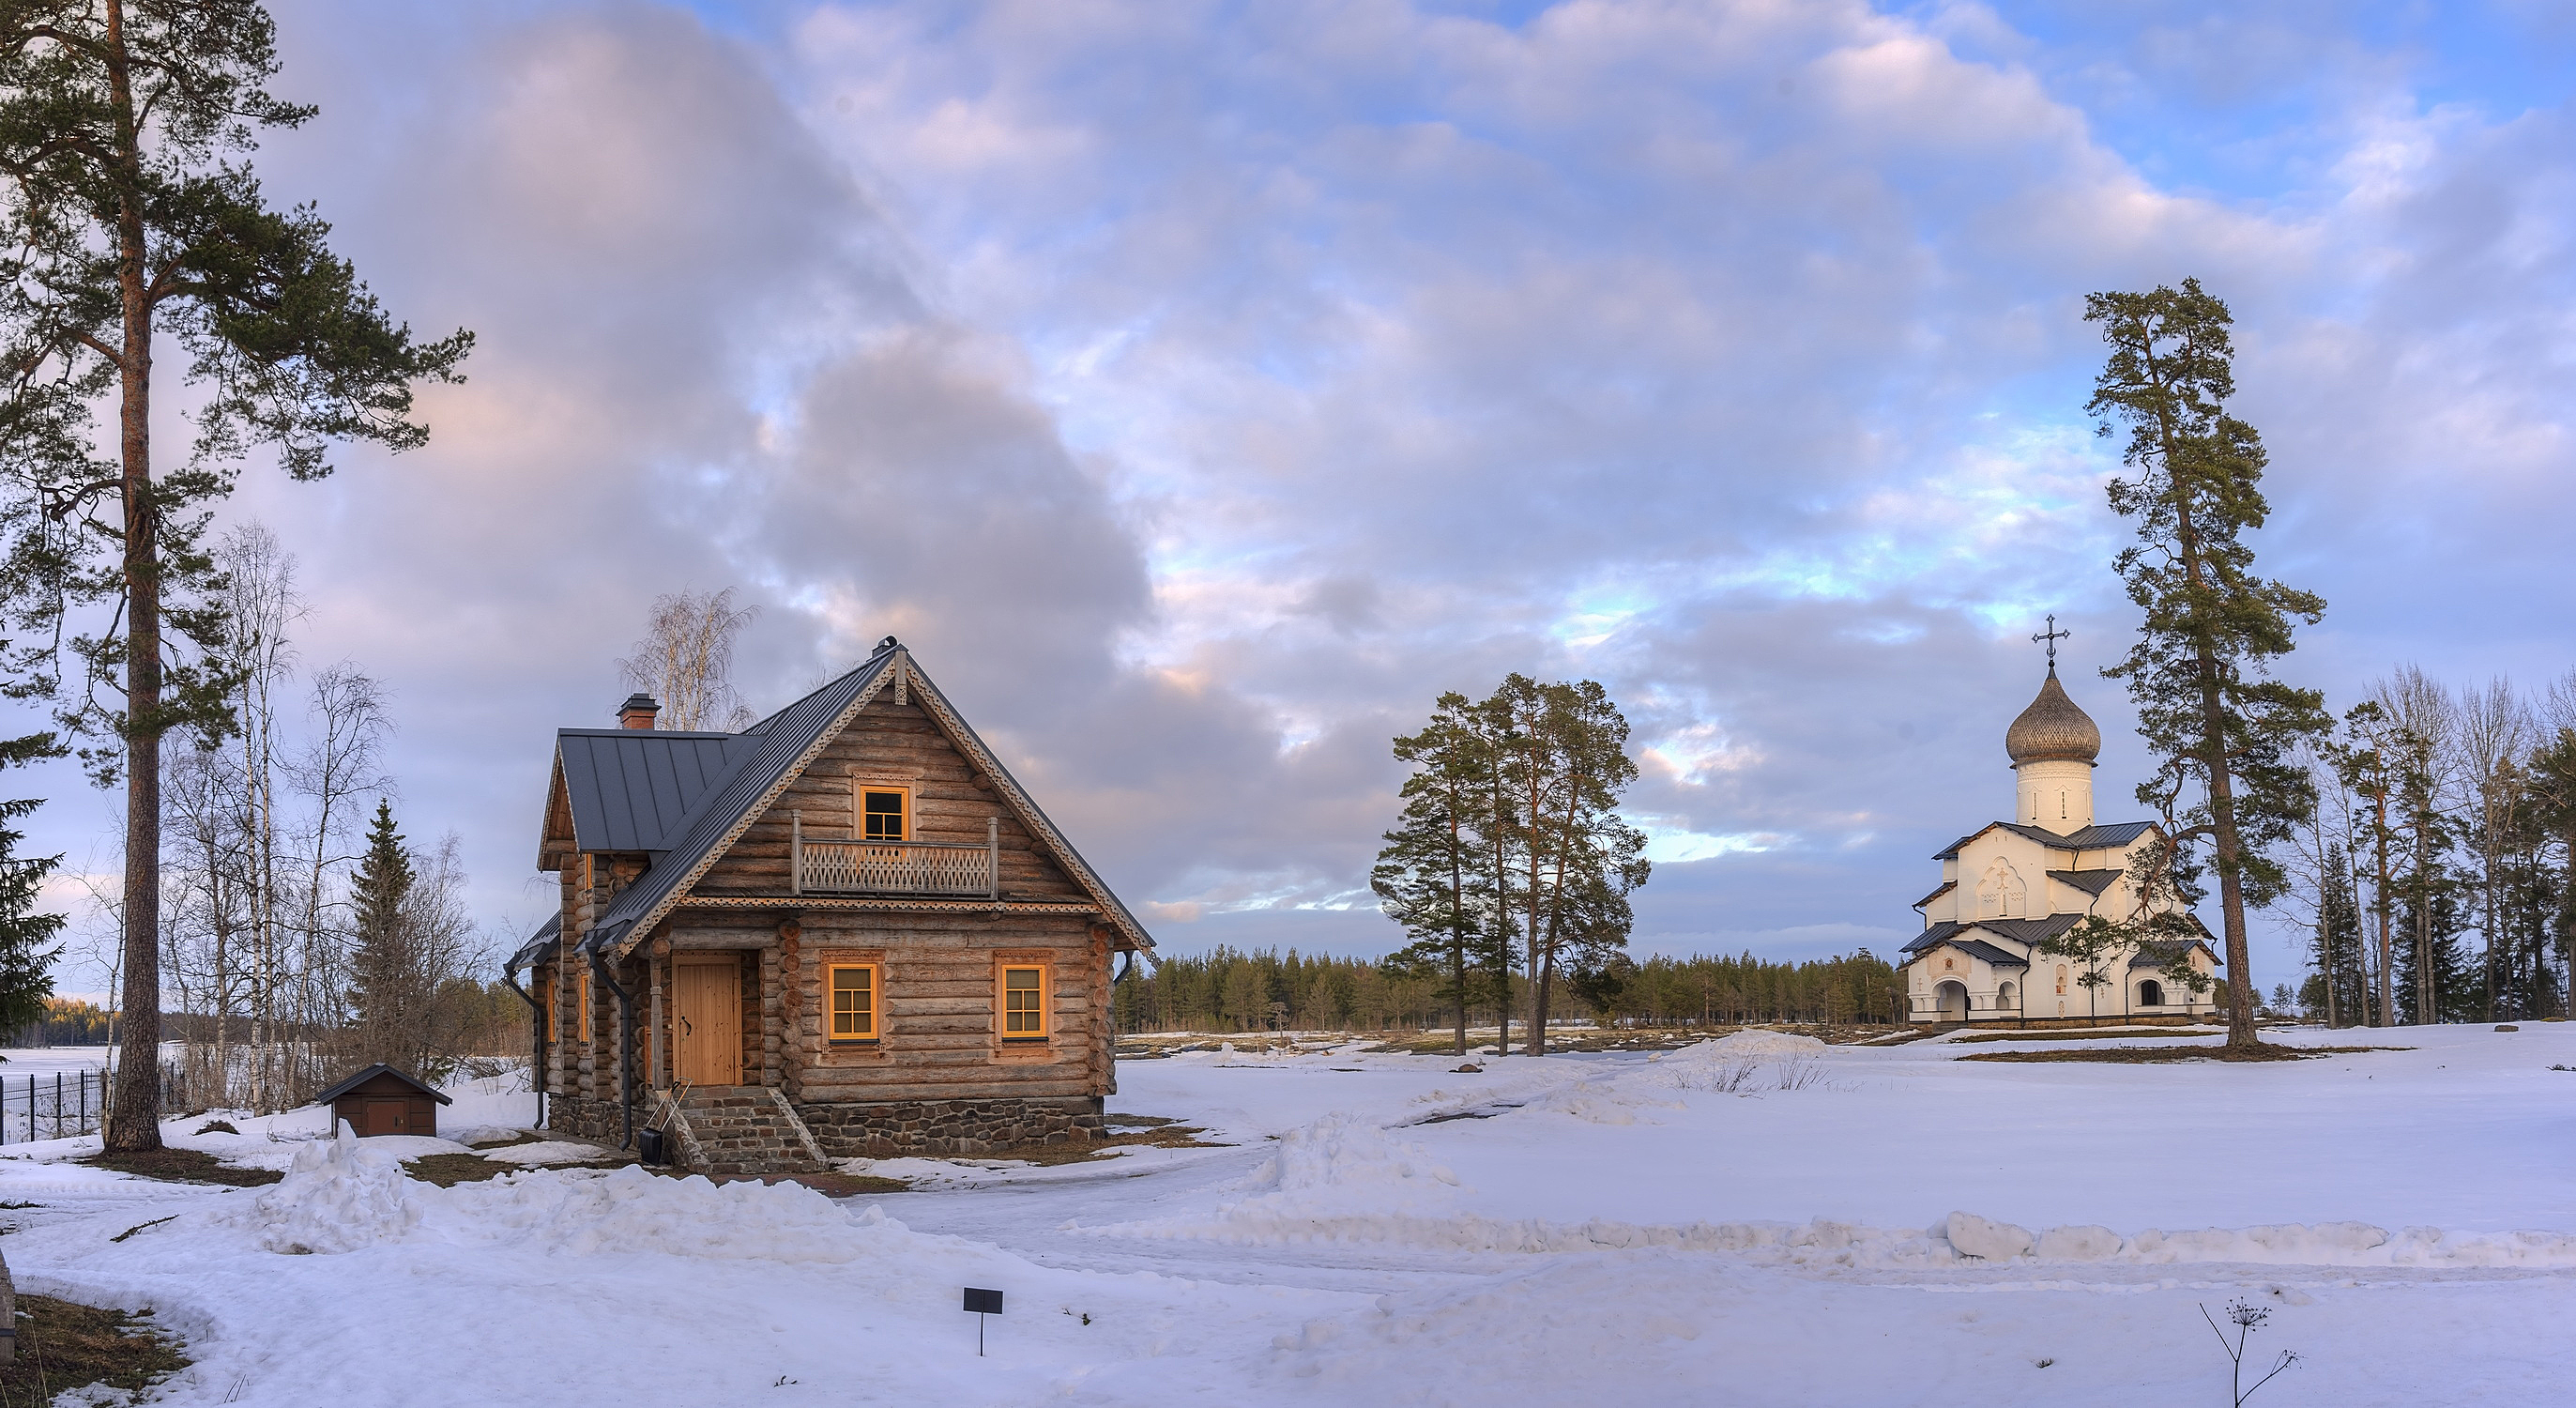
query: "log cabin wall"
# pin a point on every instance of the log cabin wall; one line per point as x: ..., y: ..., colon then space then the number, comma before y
x: 898, y: 744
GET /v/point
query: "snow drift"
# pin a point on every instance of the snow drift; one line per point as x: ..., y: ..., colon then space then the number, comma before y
x: 342, y: 1196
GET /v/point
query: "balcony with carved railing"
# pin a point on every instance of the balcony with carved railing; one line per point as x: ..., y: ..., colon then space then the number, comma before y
x: 896, y: 867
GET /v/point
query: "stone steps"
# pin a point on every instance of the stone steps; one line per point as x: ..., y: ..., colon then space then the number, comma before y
x: 744, y: 1130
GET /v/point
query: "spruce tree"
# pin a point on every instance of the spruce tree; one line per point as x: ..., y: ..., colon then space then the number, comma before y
x: 129, y: 217
x: 383, y: 968
x: 26, y: 961
x: 2224, y: 732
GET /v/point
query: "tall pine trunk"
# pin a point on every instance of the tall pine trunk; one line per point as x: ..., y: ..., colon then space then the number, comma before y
x: 134, y: 1119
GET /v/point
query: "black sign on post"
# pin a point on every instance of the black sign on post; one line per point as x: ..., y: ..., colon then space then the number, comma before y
x: 980, y: 1304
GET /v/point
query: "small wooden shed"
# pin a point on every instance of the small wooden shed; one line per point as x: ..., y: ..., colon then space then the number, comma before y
x: 382, y: 1100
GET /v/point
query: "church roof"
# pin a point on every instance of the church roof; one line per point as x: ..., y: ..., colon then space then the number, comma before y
x: 1945, y: 933
x: 2032, y: 931
x: 1979, y: 948
x: 2091, y: 882
x: 2053, y: 729
x: 2156, y: 953
x: 2020, y: 931
x: 2091, y: 838
x: 1946, y: 887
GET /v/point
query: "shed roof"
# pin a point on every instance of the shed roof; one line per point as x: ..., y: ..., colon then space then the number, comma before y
x: 370, y: 1073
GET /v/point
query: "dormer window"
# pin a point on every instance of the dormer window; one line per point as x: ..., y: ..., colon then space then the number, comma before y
x: 885, y: 812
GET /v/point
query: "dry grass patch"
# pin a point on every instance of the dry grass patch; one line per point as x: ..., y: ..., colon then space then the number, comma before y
x: 65, y: 1345
x: 183, y: 1166
x: 2141, y: 1055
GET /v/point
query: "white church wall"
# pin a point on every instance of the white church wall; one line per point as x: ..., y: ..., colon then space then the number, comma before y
x: 2054, y: 796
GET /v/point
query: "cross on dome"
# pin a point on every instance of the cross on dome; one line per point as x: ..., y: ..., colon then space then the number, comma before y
x: 2052, y: 636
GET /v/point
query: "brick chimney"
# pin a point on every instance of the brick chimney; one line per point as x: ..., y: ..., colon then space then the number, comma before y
x: 637, y: 711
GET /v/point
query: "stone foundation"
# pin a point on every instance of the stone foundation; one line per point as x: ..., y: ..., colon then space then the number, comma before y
x: 949, y: 1128
x: 585, y: 1118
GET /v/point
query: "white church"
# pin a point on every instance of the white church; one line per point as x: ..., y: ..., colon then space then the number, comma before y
x: 2017, y: 884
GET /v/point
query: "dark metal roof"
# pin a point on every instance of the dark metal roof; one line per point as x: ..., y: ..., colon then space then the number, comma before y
x: 1940, y: 934
x: 767, y: 750
x: 1946, y: 887
x: 538, y: 949
x: 632, y: 789
x: 2156, y: 953
x: 2118, y: 833
x: 2091, y: 838
x: 2091, y: 882
x: 1979, y: 948
x: 2031, y: 931
x: 370, y: 1073
x: 763, y: 755
x: 1932, y: 936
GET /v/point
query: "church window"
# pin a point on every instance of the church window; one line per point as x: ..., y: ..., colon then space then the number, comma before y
x: 2005, y: 994
x: 2061, y: 806
x: 2061, y: 977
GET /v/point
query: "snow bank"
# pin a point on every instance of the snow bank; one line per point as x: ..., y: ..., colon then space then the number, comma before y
x: 1343, y: 1158
x: 338, y: 1197
x: 1755, y: 1042
x: 1961, y: 1238
x: 342, y: 1196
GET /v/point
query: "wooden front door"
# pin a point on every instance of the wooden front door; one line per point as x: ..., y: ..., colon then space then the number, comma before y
x: 706, y: 1021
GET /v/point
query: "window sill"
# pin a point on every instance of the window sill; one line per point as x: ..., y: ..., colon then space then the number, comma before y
x: 843, y: 1043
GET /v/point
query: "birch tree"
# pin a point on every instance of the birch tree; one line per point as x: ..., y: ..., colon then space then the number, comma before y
x: 685, y: 660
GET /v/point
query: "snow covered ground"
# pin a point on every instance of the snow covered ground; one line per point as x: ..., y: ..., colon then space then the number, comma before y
x: 1755, y: 1222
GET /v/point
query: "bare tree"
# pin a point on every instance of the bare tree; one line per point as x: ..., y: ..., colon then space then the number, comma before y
x: 686, y: 660
x: 2427, y: 731
x: 2494, y: 732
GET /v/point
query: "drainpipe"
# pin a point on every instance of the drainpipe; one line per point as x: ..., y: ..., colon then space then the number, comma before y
x: 537, y: 1035
x: 625, y: 1046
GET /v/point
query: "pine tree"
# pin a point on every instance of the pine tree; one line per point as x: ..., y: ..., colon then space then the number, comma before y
x: 2223, y: 731
x: 1434, y: 876
x: 26, y: 963
x: 384, y: 970
x: 128, y: 216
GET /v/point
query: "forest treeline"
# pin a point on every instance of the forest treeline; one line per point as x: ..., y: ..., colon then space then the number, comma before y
x: 1231, y: 990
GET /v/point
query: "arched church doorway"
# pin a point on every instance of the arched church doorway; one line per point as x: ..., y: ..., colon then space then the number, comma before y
x: 2151, y: 993
x: 1953, y: 1000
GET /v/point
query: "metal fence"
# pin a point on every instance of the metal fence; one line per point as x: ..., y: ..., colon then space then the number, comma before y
x: 54, y: 1105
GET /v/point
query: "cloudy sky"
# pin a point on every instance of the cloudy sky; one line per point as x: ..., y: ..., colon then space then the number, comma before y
x: 1201, y: 388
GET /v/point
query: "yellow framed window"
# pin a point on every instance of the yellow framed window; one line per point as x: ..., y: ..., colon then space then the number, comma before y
x: 885, y: 812
x: 854, y: 1001
x: 1024, y: 1004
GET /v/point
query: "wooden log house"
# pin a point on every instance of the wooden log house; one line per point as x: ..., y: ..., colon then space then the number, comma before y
x: 845, y: 931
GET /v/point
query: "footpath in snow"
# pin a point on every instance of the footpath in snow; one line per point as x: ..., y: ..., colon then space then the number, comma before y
x: 1759, y: 1220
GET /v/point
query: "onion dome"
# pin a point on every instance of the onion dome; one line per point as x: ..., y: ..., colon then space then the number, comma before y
x: 2052, y: 729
